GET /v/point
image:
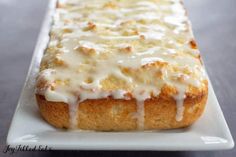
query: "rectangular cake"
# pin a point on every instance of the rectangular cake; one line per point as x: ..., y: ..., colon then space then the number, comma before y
x: 117, y: 65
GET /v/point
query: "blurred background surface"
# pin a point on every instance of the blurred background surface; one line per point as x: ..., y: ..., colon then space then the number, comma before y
x: 214, y: 26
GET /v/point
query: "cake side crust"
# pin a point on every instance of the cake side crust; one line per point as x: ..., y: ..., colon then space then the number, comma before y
x: 119, y: 115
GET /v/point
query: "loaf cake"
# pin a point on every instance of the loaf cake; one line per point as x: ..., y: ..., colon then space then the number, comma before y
x: 118, y: 65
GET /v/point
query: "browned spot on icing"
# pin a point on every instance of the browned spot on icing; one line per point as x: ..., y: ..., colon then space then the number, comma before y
x: 130, y: 32
x: 90, y: 26
x: 67, y: 30
x: 85, y: 50
x: 111, y: 5
x: 58, y: 4
x: 142, y: 37
x: 155, y: 64
x: 127, y: 49
x: 193, y: 44
x: 59, y: 61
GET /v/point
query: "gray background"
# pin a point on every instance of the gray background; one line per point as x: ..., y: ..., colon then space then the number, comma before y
x: 214, y: 25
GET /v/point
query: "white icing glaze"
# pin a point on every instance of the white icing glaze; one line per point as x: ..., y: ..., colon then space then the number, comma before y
x: 140, y: 101
x: 180, y: 103
x: 73, y: 113
x: 131, y: 41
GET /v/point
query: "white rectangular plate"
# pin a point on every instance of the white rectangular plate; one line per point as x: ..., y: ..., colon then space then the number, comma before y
x: 210, y: 132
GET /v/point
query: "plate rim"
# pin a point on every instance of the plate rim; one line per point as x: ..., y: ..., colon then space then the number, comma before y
x: 42, y: 35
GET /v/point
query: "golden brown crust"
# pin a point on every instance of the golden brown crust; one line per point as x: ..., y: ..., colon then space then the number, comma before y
x: 115, y: 114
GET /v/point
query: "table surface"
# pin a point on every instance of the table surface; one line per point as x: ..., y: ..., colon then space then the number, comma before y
x: 214, y: 25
